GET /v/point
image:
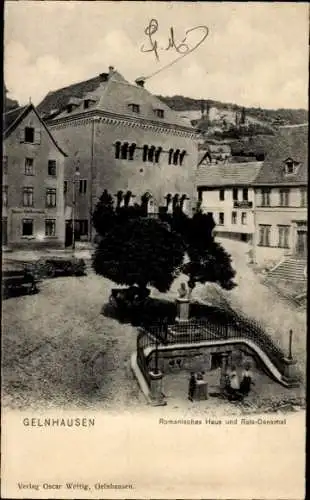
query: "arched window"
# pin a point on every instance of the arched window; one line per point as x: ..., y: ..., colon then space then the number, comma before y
x: 151, y: 152
x: 145, y: 150
x: 169, y: 203
x: 119, y: 199
x: 127, y: 198
x: 183, y: 202
x: 182, y: 155
x: 175, y: 202
x: 132, y: 149
x: 124, y: 151
x: 170, y: 156
x: 157, y: 154
x: 145, y: 202
x: 117, y: 149
x: 176, y: 157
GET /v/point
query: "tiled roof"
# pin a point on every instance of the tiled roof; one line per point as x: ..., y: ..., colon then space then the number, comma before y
x: 11, y: 119
x: 290, y: 142
x: 227, y: 174
x: 113, y: 95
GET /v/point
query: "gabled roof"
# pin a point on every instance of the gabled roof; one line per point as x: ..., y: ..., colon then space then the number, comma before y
x: 113, y: 94
x: 290, y: 142
x: 228, y: 174
x: 12, y: 119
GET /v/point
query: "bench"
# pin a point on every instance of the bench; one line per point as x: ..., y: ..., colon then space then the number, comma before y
x: 128, y: 298
x: 18, y: 282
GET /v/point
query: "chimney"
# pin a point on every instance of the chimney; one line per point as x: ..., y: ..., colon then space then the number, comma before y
x: 111, y: 69
x: 140, y: 81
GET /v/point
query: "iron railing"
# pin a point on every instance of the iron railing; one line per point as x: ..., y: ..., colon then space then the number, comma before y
x: 220, y: 326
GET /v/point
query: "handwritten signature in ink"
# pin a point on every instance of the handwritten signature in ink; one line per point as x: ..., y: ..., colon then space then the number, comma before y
x: 182, y: 47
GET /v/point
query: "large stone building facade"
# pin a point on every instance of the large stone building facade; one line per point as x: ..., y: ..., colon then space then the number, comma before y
x: 121, y: 138
x: 32, y: 183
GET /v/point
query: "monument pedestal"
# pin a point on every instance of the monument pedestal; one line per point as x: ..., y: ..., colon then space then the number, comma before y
x: 156, y: 381
x: 182, y: 310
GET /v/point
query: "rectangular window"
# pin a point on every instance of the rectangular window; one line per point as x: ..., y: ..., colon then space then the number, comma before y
x: 245, y: 194
x: 51, y: 198
x: 5, y: 196
x: 265, y: 197
x: 303, y: 197
x: 235, y: 194
x: 243, y: 218
x: 84, y: 227
x: 27, y: 227
x: 5, y: 164
x: 264, y: 235
x: 29, y: 166
x: 284, y: 197
x: 51, y: 167
x: 83, y: 186
x: 221, y: 218
x: 28, y: 196
x: 159, y: 112
x: 284, y: 232
x: 29, y: 134
x: 135, y: 108
x: 65, y: 187
x: 222, y: 194
x: 234, y: 217
x: 50, y: 227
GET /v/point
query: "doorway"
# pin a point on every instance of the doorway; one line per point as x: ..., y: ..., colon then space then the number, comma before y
x: 4, y: 230
x: 301, y: 243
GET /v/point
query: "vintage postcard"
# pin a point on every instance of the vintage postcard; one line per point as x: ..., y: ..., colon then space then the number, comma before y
x: 154, y: 250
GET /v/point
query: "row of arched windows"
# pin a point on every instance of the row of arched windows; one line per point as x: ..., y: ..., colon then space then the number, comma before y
x: 126, y: 151
x: 176, y: 157
x: 173, y: 202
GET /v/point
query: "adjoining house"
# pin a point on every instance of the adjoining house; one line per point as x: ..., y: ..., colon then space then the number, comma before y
x: 121, y: 138
x: 214, y: 152
x: 32, y: 182
x: 281, y: 197
x: 226, y: 191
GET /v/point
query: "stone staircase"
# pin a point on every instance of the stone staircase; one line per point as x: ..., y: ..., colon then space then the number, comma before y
x: 290, y: 269
x: 89, y: 269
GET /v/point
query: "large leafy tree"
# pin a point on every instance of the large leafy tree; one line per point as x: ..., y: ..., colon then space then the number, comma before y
x: 137, y: 250
x: 141, y: 251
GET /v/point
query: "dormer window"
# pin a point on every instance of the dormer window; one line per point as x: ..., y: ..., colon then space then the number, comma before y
x: 159, y: 113
x: 135, y: 108
x: 291, y: 166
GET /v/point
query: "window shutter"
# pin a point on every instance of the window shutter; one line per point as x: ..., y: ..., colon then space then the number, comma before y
x: 22, y: 135
x: 37, y: 136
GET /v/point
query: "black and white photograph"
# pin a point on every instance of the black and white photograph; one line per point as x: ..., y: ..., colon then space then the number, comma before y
x: 154, y: 245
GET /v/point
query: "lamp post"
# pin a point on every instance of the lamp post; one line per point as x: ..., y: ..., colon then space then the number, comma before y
x: 290, y: 344
x: 75, y: 178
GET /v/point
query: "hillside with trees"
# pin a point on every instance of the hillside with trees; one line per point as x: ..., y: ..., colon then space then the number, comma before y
x: 267, y: 116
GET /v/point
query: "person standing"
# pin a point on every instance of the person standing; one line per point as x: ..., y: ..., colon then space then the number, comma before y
x: 234, y: 384
x: 247, y: 380
x: 191, y: 386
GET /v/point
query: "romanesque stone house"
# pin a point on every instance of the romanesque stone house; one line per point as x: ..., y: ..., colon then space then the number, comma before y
x: 32, y: 183
x: 121, y: 138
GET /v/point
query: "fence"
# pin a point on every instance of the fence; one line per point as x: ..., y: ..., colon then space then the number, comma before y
x: 230, y: 325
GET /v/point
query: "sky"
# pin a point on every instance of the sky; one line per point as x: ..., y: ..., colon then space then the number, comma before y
x: 255, y: 54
